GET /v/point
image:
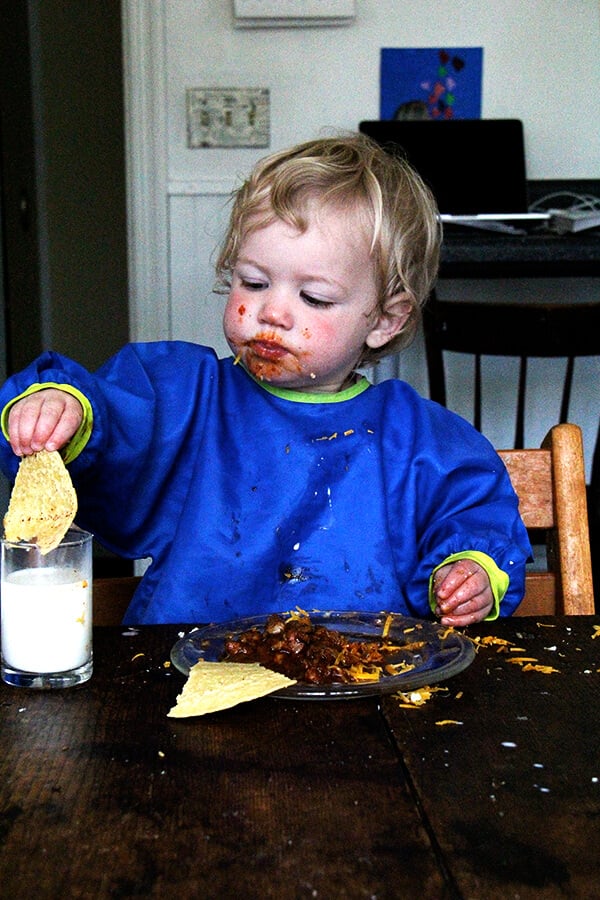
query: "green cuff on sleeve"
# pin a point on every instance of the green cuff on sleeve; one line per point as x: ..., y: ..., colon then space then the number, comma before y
x: 71, y: 450
x: 499, y: 580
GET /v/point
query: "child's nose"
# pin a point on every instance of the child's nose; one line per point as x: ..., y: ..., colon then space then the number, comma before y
x: 275, y: 311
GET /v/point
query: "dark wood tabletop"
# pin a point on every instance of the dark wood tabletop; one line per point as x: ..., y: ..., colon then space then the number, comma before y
x: 511, y: 792
x: 489, y: 789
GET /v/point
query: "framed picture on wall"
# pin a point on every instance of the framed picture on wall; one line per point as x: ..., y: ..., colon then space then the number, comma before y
x: 431, y: 83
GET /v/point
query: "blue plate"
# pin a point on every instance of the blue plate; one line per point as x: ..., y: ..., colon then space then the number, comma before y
x: 442, y: 652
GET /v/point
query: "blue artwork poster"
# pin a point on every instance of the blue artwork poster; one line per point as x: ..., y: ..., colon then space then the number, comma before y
x: 431, y: 83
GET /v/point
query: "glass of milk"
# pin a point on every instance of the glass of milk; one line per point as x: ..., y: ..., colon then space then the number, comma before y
x: 46, y: 612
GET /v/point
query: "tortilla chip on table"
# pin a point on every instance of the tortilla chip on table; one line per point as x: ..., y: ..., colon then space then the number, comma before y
x: 213, y: 686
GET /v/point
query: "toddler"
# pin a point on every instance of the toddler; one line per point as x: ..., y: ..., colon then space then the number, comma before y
x: 280, y: 477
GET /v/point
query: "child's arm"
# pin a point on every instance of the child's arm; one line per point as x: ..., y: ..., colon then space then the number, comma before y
x: 463, y: 593
x: 45, y: 420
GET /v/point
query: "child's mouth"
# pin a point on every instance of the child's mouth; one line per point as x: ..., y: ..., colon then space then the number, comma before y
x: 271, y: 350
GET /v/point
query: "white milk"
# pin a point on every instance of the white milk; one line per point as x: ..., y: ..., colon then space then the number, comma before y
x: 46, y: 620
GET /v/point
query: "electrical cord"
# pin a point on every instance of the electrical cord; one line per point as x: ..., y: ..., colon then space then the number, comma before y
x: 570, y: 211
x: 575, y: 202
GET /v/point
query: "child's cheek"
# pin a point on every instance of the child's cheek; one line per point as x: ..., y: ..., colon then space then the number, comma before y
x: 236, y: 314
x: 320, y: 336
x: 236, y: 303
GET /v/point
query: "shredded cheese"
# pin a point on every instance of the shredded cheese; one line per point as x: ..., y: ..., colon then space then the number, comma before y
x: 521, y: 660
x: 490, y: 639
x: 546, y: 670
x: 386, y: 625
x: 365, y: 673
x: 417, y: 698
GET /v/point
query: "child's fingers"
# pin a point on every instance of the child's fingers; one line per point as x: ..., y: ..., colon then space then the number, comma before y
x: 465, y: 618
x: 46, y: 420
x: 462, y: 578
x: 22, y: 423
x: 463, y: 594
x: 465, y: 612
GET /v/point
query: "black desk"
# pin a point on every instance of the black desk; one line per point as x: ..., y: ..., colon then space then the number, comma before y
x: 474, y: 253
x: 470, y: 253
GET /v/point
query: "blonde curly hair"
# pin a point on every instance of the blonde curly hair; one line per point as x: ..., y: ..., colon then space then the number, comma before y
x: 349, y: 172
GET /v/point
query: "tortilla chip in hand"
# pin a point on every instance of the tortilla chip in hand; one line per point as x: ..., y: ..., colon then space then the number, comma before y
x: 43, y: 502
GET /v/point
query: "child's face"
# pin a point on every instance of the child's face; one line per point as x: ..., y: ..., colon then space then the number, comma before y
x: 303, y: 305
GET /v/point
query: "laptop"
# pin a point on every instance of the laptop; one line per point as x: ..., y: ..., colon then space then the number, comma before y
x: 475, y: 167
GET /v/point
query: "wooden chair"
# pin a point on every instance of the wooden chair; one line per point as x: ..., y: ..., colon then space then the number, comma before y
x: 111, y: 597
x: 550, y: 485
x: 520, y: 329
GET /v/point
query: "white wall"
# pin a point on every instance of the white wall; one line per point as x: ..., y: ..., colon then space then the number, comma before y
x: 540, y: 65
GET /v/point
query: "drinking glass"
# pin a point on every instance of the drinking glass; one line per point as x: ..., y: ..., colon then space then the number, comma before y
x: 46, y: 612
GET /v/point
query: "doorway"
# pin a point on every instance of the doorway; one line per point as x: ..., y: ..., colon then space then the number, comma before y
x: 63, y: 253
x: 63, y: 180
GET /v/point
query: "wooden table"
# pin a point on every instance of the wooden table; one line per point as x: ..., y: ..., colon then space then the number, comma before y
x: 102, y: 795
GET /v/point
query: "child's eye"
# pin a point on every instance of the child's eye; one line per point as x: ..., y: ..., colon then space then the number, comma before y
x: 313, y: 301
x: 252, y: 284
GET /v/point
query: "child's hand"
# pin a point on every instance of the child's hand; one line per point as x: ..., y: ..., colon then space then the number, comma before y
x: 46, y: 420
x: 463, y: 593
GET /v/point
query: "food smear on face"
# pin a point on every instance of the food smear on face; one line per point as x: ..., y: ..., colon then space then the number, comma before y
x: 268, y: 359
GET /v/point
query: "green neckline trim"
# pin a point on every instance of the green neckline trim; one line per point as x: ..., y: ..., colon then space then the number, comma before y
x: 300, y: 397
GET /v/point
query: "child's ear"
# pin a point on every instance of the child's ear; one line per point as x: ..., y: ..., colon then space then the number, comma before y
x: 398, y: 310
